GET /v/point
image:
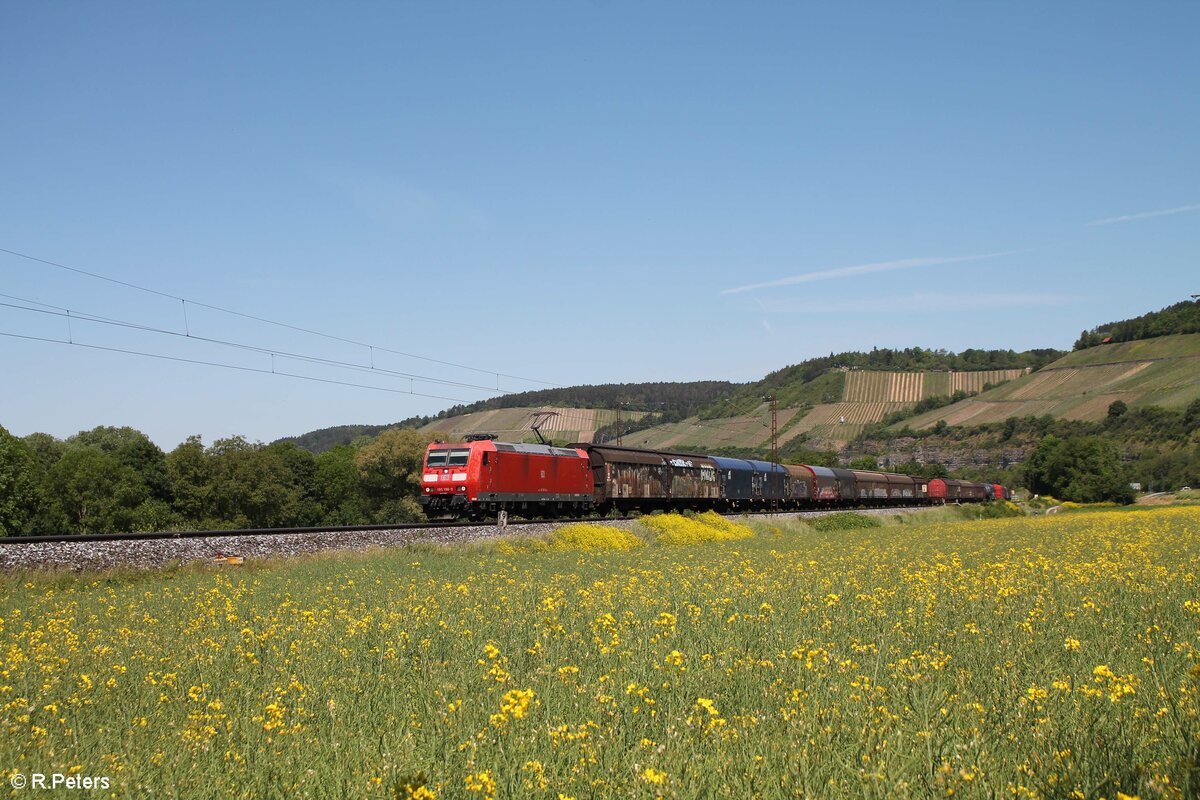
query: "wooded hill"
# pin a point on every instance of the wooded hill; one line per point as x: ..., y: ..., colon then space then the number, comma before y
x: 672, y: 400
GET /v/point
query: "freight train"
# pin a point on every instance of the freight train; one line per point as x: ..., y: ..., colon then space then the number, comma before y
x: 480, y: 478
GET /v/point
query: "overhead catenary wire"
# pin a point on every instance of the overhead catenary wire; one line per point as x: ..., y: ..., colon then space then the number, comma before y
x: 237, y: 367
x: 70, y: 314
x: 185, y: 301
x: 735, y: 419
x: 741, y: 420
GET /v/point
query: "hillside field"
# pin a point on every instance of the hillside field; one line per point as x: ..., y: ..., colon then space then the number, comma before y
x: 909, y: 387
x: 1162, y: 372
x: 1025, y: 657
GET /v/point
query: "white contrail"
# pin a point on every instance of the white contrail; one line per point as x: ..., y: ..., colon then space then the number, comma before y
x: 917, y: 303
x: 1146, y: 215
x: 863, y: 269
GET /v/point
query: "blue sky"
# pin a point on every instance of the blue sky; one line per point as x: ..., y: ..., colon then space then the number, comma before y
x: 570, y: 192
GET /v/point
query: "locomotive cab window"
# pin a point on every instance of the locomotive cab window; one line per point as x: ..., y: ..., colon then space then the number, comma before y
x: 437, y: 458
x: 458, y: 458
x: 485, y: 459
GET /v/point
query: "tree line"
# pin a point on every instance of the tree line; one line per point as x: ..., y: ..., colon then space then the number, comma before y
x: 672, y: 401
x: 111, y: 480
x: 1180, y: 318
x: 914, y: 359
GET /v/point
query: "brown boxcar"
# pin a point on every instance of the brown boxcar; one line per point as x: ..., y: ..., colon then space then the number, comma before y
x: 901, y: 487
x: 691, y: 480
x: 801, y: 488
x: 970, y: 490
x: 626, y: 477
x: 871, y: 486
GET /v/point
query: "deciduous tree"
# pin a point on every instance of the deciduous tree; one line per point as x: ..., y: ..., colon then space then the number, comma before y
x: 390, y: 468
x: 1085, y: 469
x: 95, y: 492
x: 18, y: 485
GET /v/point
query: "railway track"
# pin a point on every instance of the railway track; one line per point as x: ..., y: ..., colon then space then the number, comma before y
x: 407, y: 526
x: 165, y: 549
x: 323, y: 529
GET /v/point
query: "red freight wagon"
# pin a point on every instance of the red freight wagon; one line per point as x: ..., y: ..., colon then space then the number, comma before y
x: 939, y: 491
x: 483, y: 477
x: 951, y: 490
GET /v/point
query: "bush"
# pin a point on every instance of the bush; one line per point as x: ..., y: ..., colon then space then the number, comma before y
x: 844, y: 521
x: 706, y: 527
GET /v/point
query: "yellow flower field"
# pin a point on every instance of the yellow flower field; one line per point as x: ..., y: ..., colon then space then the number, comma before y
x: 1047, y: 657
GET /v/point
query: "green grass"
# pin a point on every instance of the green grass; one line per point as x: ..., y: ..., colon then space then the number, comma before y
x: 937, y: 384
x: 1017, y: 657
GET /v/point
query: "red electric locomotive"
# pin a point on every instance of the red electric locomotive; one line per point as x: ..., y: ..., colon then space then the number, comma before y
x: 483, y: 477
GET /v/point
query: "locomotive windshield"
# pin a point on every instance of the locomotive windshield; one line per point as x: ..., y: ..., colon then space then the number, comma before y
x: 448, y: 457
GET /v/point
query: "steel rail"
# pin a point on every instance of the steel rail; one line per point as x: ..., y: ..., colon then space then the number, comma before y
x: 213, y: 534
